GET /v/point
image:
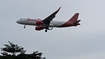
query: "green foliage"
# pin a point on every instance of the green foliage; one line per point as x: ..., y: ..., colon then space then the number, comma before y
x: 12, y: 48
x: 9, y: 52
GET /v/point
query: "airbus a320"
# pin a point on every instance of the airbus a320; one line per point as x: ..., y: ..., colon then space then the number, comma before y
x: 48, y: 24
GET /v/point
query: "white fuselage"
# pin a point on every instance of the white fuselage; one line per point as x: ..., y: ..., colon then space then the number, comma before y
x: 33, y: 22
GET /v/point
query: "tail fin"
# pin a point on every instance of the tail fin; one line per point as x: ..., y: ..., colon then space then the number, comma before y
x: 73, y: 21
x: 74, y: 18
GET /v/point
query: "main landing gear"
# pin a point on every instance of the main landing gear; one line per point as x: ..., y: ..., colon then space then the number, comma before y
x: 48, y: 29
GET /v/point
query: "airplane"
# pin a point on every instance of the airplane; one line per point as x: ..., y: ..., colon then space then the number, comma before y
x: 48, y: 24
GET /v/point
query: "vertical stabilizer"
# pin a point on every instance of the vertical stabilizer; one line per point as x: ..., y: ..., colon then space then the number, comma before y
x: 73, y: 21
x: 74, y: 18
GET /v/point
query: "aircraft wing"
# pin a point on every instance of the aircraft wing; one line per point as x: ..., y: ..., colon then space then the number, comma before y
x: 49, y: 18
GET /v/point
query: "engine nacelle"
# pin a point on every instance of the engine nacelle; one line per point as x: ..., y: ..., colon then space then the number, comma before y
x: 39, y: 28
x: 39, y: 22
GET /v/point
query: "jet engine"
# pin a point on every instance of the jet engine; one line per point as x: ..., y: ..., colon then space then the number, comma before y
x: 39, y: 28
x: 39, y: 22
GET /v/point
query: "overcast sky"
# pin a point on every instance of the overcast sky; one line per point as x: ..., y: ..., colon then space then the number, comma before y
x: 86, y: 41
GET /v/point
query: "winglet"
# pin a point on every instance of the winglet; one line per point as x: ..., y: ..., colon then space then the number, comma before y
x: 59, y: 8
x: 57, y: 11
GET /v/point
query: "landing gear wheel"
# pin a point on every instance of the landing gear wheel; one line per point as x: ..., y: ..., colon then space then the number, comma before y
x: 45, y: 30
x: 24, y: 26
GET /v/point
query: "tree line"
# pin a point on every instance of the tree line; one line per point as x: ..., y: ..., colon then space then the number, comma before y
x: 13, y: 51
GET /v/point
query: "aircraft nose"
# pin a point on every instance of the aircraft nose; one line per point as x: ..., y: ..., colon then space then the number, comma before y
x: 18, y: 21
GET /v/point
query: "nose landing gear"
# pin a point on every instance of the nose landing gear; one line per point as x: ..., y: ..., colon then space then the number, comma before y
x: 24, y: 26
x: 45, y: 30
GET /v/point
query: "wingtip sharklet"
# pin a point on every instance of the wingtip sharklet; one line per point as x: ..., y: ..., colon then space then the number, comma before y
x: 59, y: 8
